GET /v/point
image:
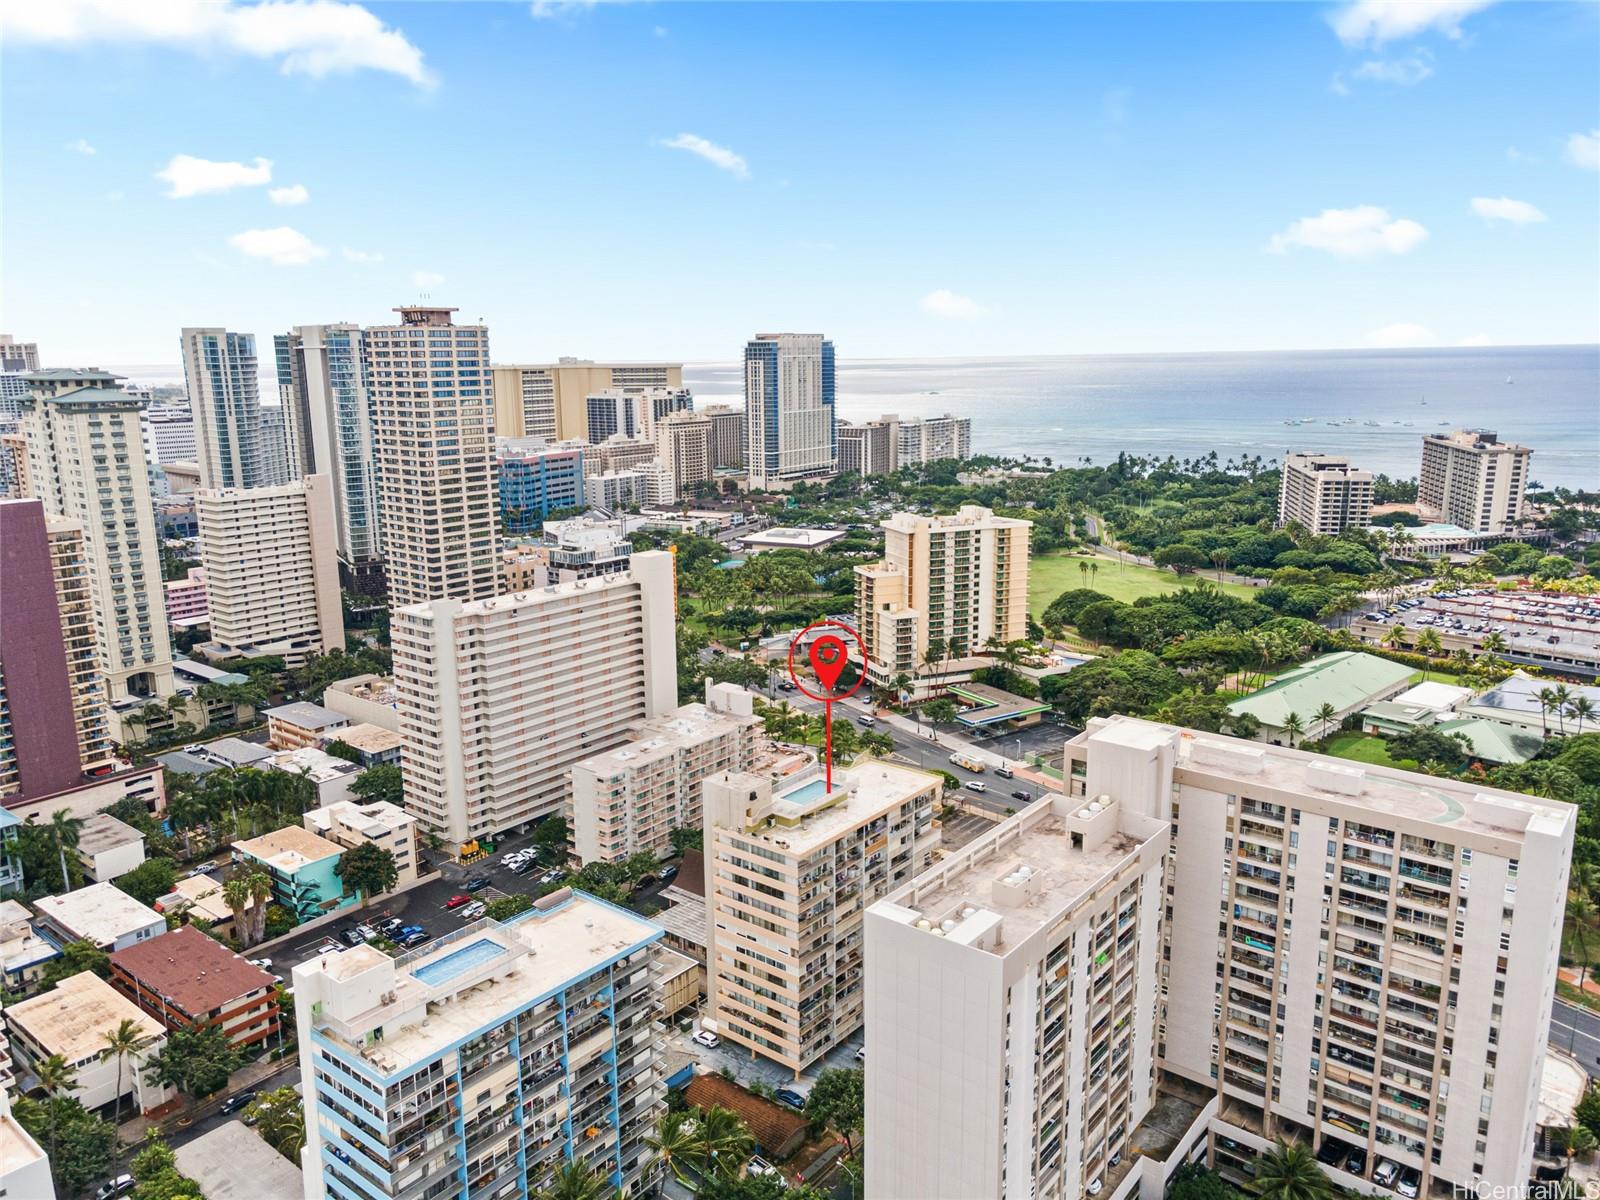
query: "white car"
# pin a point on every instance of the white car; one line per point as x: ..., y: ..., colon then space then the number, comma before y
x: 1094, y: 1187
x: 704, y: 1037
x: 976, y: 785
x: 328, y: 949
x: 264, y: 963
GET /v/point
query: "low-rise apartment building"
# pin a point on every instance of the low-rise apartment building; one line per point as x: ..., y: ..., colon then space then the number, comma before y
x: 329, y: 774
x: 301, y: 867
x: 364, y: 700
x: 24, y: 952
x: 791, y: 866
x: 630, y: 799
x: 302, y: 724
x: 188, y: 979
x: 101, y: 914
x: 374, y: 745
x: 108, y: 848
x: 478, y: 1065
x: 24, y: 1169
x: 350, y: 823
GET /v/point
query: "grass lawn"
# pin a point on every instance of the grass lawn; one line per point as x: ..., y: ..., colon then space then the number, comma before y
x: 1360, y: 747
x: 1051, y: 574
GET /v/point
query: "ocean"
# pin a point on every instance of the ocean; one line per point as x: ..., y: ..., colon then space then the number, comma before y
x: 1187, y: 405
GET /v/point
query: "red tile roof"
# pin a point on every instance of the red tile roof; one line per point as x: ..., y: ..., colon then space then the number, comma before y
x: 190, y: 970
x: 776, y: 1129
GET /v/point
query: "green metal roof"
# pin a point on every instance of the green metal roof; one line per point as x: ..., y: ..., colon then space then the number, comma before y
x: 1346, y: 679
x: 1493, y: 742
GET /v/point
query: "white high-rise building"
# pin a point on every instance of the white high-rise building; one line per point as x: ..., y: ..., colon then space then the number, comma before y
x: 930, y: 439
x: 1324, y: 494
x: 322, y: 377
x: 499, y: 697
x: 685, y: 441
x: 870, y: 448
x: 438, y: 497
x: 482, y: 1063
x: 169, y: 435
x: 791, y: 866
x: 789, y: 409
x: 630, y: 799
x: 274, y: 447
x: 225, y: 400
x: 271, y: 569
x: 86, y: 462
x: 1346, y: 958
x: 1472, y: 479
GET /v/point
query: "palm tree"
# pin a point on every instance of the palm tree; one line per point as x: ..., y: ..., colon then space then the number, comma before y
x: 1547, y: 701
x: 724, y: 1142
x: 1326, y: 715
x: 674, y: 1142
x: 933, y: 655
x: 1083, y: 571
x: 185, y: 810
x: 65, y: 827
x: 1580, y: 710
x: 1094, y: 571
x: 1581, y: 1143
x: 1493, y: 643
x: 236, y: 895
x: 259, y: 884
x: 1289, y: 1171
x: 575, y: 1181
x: 125, y: 1040
x: 1294, y: 727
x: 1395, y: 637
x: 1561, y: 696
x: 57, y: 1077
x: 1580, y: 912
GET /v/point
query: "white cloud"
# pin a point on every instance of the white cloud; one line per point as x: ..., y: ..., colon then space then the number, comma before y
x: 1476, y: 339
x: 1405, y: 72
x: 282, y: 247
x: 81, y: 146
x: 1518, y: 212
x: 1394, y: 337
x: 1374, y: 22
x: 361, y: 256
x: 426, y: 279
x: 952, y: 306
x: 1583, y: 150
x: 718, y: 156
x: 294, y: 194
x: 187, y: 175
x: 1360, y: 232
x: 304, y: 37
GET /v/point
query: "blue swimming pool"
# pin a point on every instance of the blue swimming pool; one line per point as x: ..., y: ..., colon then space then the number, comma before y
x: 808, y: 793
x: 459, y: 962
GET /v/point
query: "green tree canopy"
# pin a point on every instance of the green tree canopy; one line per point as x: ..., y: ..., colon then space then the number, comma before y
x: 367, y: 870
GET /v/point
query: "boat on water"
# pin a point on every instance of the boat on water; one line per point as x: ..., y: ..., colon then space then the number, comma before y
x: 1374, y: 424
x: 1508, y: 379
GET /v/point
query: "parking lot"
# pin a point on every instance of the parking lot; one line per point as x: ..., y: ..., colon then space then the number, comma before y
x: 955, y: 832
x: 747, y: 1069
x: 1549, y: 630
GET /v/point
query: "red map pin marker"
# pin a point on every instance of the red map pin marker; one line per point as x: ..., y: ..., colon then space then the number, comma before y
x: 828, y: 655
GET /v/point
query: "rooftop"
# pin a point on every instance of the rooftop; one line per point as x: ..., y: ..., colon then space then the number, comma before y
x: 686, y: 725
x: 100, y: 913
x: 686, y: 921
x: 306, y: 715
x: 771, y: 1124
x: 506, y: 966
x: 17, y: 1147
x: 72, y: 1018
x: 1520, y: 695
x: 232, y: 1162
x: 289, y: 849
x: 195, y: 971
x: 1344, y: 679
x: 1562, y: 1083
x: 992, y: 705
x: 373, y: 820
x: 1435, y: 695
x: 185, y: 763
x: 236, y: 752
x: 103, y: 832
x: 792, y: 538
x: 317, y: 765
x: 805, y: 815
x: 204, y: 672
x: 370, y: 739
x: 200, y: 893
x: 1494, y: 742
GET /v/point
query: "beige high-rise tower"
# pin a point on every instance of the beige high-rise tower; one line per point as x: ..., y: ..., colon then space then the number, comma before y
x: 1472, y: 479
x: 432, y: 399
x: 86, y: 462
x: 549, y: 400
x: 951, y: 582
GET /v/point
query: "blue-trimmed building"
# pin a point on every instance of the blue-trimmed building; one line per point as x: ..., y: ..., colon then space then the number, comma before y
x: 791, y: 433
x: 477, y: 1065
x: 536, y: 479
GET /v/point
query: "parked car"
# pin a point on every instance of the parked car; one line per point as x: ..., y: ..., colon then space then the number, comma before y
x: 1385, y: 1173
x: 706, y: 1038
x: 366, y: 931
x: 1094, y: 1186
x: 1356, y: 1162
x: 861, y: 1055
x: 522, y: 867
x: 668, y: 874
x: 415, y: 938
x: 1409, y: 1183
x: 235, y: 1102
x: 459, y: 899
x: 327, y: 949
x: 473, y: 911
x: 264, y: 963
x: 392, y: 926
x: 350, y: 937
x: 120, y: 1186
x: 758, y: 1166
x: 790, y: 1097
x: 477, y: 883
x: 976, y: 785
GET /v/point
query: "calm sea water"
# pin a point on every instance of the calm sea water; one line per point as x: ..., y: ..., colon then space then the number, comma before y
x: 1188, y: 405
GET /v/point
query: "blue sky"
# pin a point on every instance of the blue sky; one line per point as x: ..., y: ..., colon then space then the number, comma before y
x: 640, y: 180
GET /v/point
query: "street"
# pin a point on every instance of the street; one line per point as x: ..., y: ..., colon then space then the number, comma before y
x: 1577, y: 1031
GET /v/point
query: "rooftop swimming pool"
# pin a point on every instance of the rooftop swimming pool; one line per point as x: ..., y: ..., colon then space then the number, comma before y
x: 807, y: 793
x: 459, y: 962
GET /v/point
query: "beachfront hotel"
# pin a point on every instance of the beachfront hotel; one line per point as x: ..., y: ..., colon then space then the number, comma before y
x: 1340, y: 950
x: 478, y: 1065
x: 1324, y: 494
x: 1471, y: 478
x: 498, y: 698
x: 959, y: 579
x: 791, y: 865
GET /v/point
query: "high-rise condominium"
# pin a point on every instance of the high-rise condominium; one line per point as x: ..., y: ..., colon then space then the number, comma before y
x: 499, y: 697
x: 1328, y: 952
x: 930, y: 439
x: 684, y: 439
x: 481, y: 1064
x: 870, y: 448
x: 169, y: 435
x: 274, y: 447
x: 435, y: 416
x: 536, y: 478
x: 614, y: 412
x: 17, y: 356
x: 1324, y: 494
x: 549, y: 400
x: 791, y: 865
x: 225, y: 399
x: 789, y: 410
x: 630, y: 799
x: 322, y: 379
x: 1474, y: 480
x: 52, y: 712
x: 272, y: 572
x: 727, y: 435
x: 86, y: 462
x: 951, y: 583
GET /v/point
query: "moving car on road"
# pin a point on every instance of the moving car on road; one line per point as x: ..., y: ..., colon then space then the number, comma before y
x: 234, y: 1103
x: 976, y: 785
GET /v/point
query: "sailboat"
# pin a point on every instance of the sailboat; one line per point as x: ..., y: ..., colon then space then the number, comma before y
x: 1508, y: 379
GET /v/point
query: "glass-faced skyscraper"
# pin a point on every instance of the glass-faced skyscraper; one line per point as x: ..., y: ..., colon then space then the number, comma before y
x: 225, y: 400
x: 789, y: 409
